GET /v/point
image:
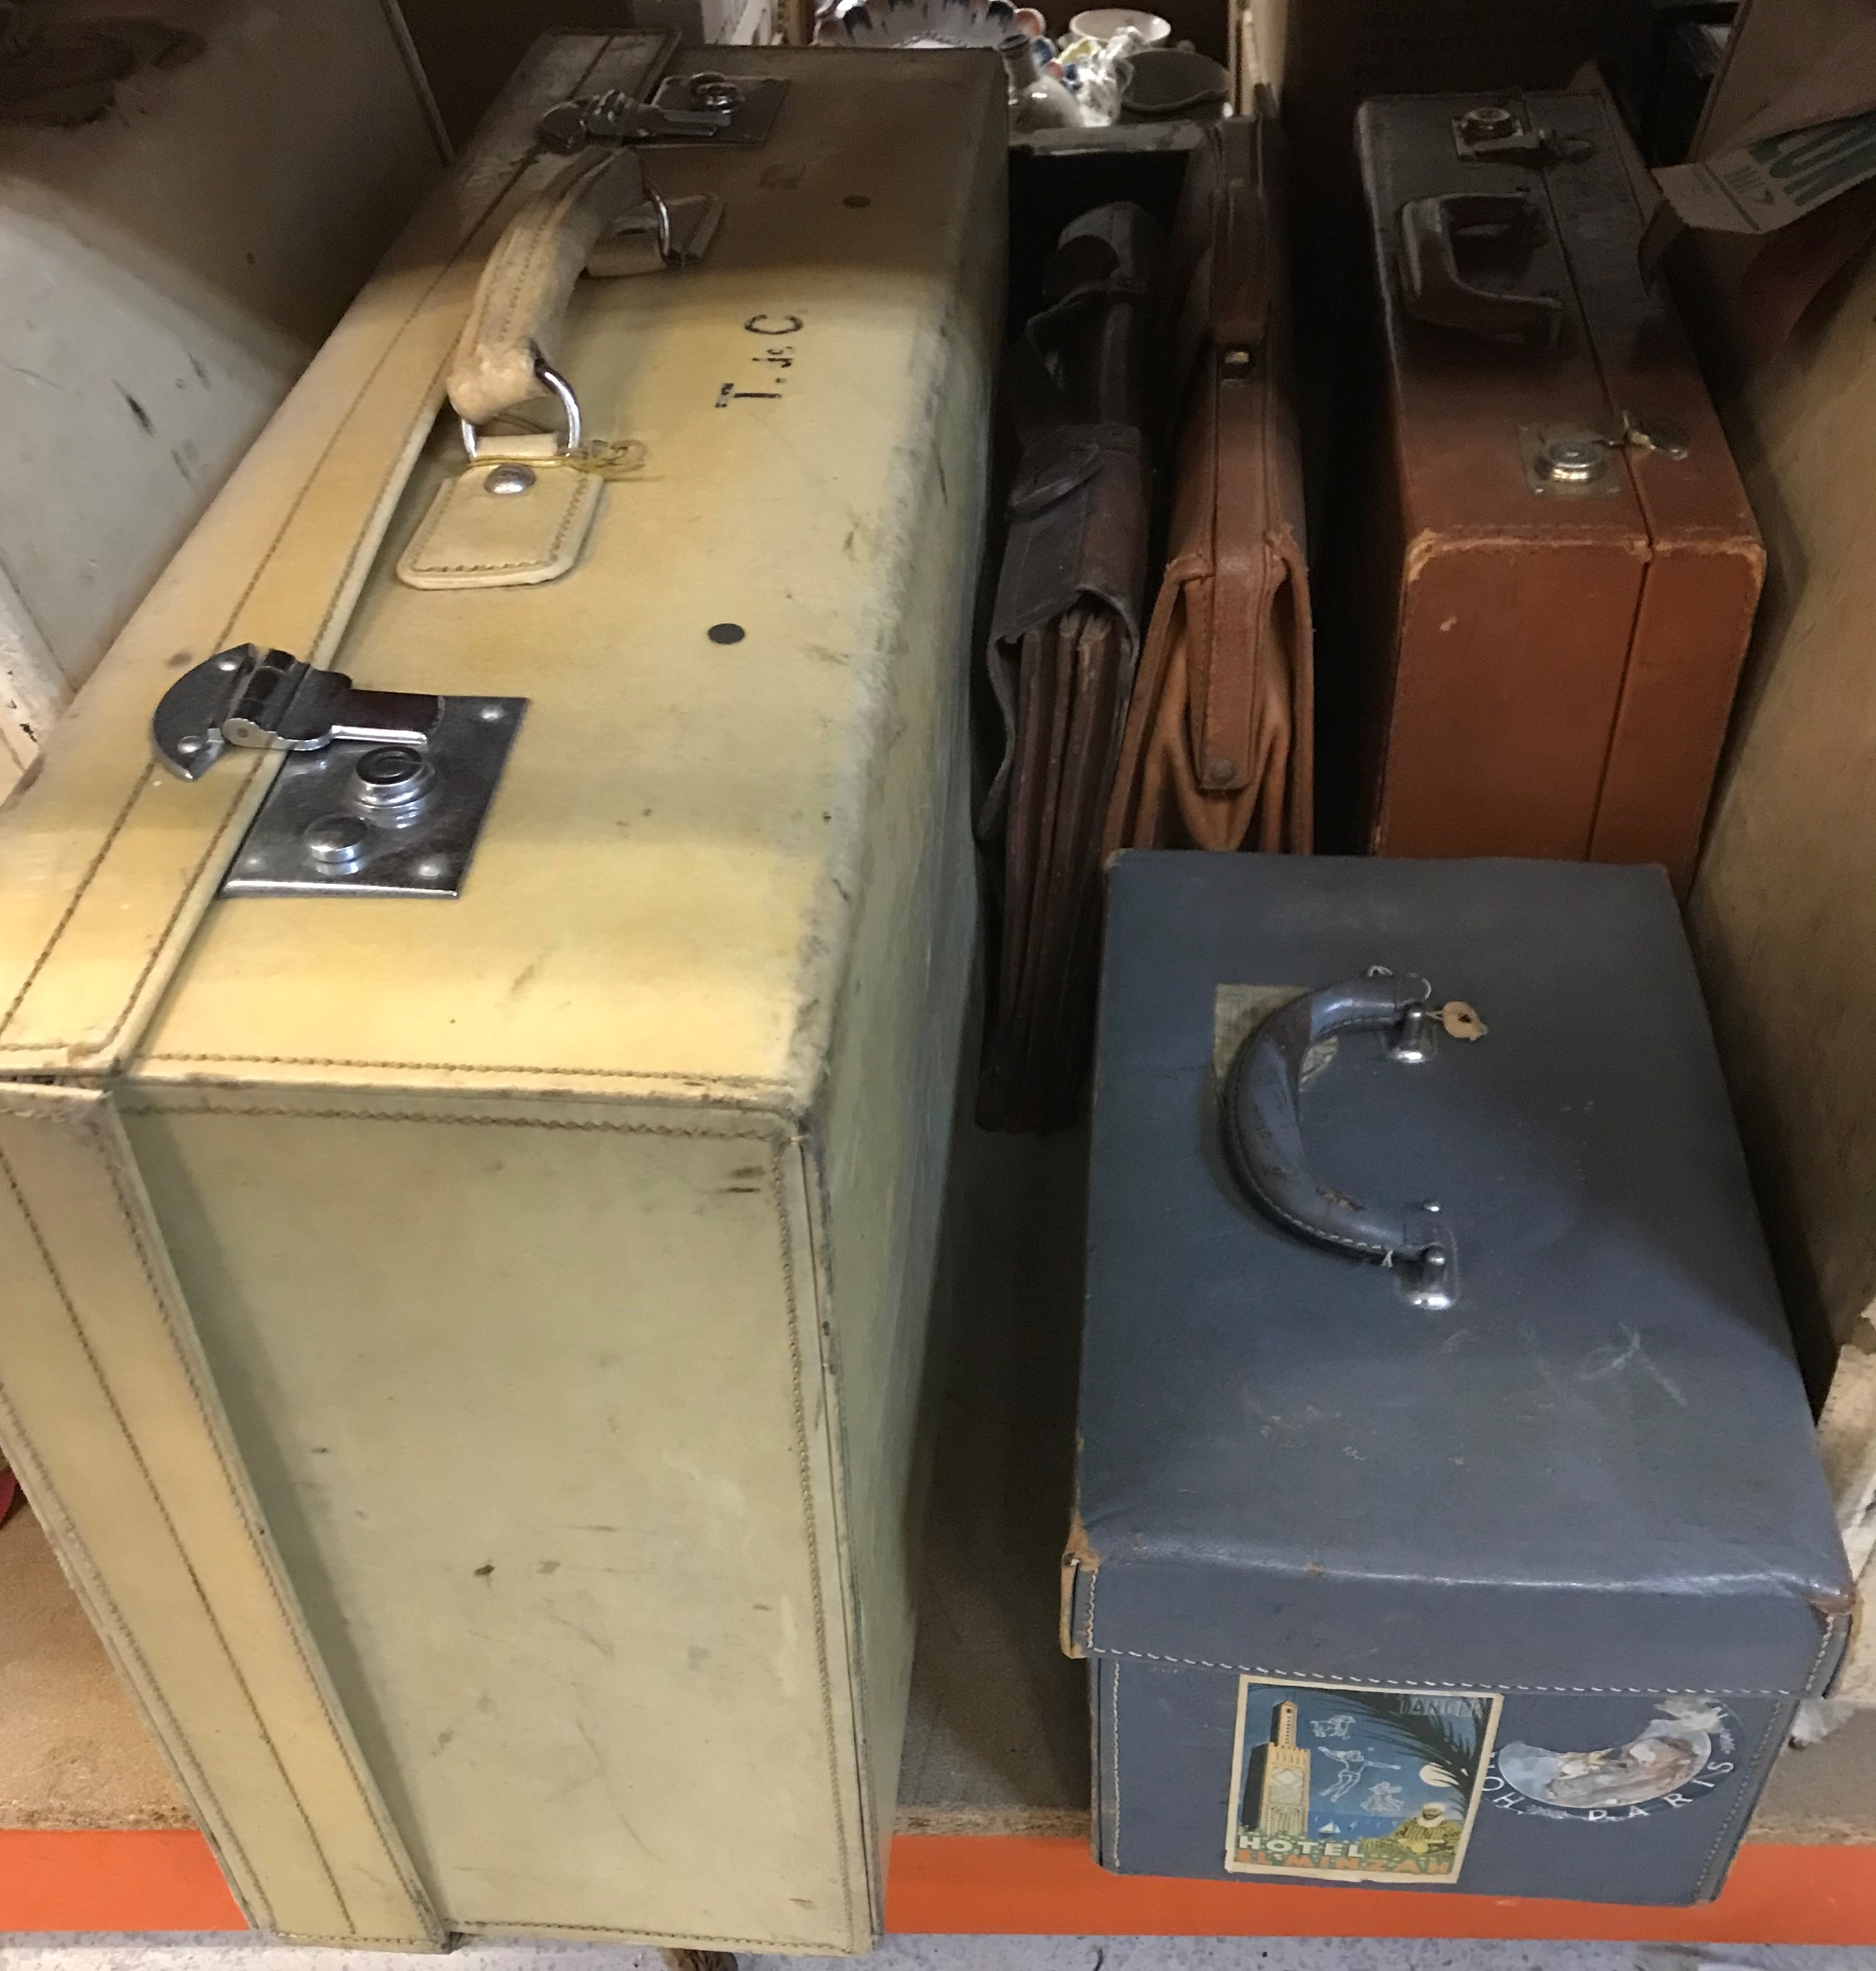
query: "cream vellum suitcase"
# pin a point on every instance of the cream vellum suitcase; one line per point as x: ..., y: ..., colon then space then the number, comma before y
x: 468, y: 1272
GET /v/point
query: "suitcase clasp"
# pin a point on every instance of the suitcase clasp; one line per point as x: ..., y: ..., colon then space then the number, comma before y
x: 248, y: 696
x: 705, y: 108
x: 383, y: 793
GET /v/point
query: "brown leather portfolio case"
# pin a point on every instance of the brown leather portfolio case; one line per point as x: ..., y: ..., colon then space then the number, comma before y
x: 1556, y: 568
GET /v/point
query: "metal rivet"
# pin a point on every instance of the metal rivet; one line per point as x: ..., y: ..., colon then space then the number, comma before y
x: 337, y: 841
x: 725, y: 633
x: 190, y: 744
x: 394, y: 780
x: 430, y: 868
x: 509, y: 479
x: 490, y: 714
x: 228, y: 664
x: 714, y: 91
x: 1574, y: 461
x: 1489, y: 121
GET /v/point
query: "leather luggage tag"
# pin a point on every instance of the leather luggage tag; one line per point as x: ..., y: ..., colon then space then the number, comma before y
x: 511, y: 520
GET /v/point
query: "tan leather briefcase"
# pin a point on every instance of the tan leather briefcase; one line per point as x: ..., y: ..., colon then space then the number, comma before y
x: 475, y: 1107
x: 1219, y: 747
x: 1557, y: 566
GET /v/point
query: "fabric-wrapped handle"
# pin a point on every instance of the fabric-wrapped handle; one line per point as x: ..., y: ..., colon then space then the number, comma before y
x: 521, y: 302
x: 1260, y: 1099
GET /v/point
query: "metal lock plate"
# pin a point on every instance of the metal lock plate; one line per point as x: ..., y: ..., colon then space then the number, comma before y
x: 705, y: 108
x: 382, y: 793
x: 1500, y: 133
x: 1569, y: 462
x: 363, y: 819
x: 751, y: 103
x: 1566, y: 462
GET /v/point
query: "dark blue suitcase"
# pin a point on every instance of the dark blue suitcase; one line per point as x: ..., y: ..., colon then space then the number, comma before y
x: 1470, y: 1537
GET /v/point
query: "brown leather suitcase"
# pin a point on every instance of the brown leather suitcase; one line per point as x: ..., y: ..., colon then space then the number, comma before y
x: 1557, y: 567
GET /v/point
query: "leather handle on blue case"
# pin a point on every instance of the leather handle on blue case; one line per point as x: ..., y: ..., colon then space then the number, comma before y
x: 1260, y: 1098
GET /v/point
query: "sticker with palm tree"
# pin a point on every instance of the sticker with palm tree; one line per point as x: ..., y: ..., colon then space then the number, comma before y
x: 1365, y: 1783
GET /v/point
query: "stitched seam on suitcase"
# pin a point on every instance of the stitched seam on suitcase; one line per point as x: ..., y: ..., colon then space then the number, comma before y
x: 392, y: 1847
x: 1730, y: 1827
x: 479, y: 1068
x: 176, y: 1742
x: 763, y: 1136
x: 391, y: 1850
x: 547, y: 1926
x: 1593, y: 348
x: 1435, y: 1682
x: 805, y: 1477
x: 852, y: 1631
x: 162, y: 1507
x: 1738, y: 640
x: 1114, y: 1791
x: 82, y: 889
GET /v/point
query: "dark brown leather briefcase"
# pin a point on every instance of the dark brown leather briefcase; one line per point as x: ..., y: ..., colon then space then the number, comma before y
x: 1064, y: 638
x: 1557, y: 567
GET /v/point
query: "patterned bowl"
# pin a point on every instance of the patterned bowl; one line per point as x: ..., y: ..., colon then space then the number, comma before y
x: 918, y: 24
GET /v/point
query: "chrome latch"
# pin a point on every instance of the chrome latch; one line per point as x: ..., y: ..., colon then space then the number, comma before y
x: 251, y: 697
x: 703, y: 109
x: 383, y: 793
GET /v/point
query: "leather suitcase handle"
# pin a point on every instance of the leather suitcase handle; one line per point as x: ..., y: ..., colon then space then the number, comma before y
x: 507, y: 350
x: 1260, y: 1099
x: 1432, y: 286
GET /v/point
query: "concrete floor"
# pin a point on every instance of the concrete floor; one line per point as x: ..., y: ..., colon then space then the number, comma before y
x: 951, y: 1953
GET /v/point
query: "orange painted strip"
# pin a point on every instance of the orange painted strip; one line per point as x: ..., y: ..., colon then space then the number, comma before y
x: 114, y: 1879
x: 1037, y: 1885
x: 1021, y: 1885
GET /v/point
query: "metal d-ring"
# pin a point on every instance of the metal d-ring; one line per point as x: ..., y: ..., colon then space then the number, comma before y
x: 665, y: 254
x: 560, y: 388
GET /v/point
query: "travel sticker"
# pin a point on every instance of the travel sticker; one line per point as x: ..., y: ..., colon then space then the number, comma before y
x: 1680, y: 1755
x: 1363, y: 1783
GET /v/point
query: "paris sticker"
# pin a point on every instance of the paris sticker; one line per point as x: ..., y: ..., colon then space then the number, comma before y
x: 1364, y: 1784
x: 1686, y: 1749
